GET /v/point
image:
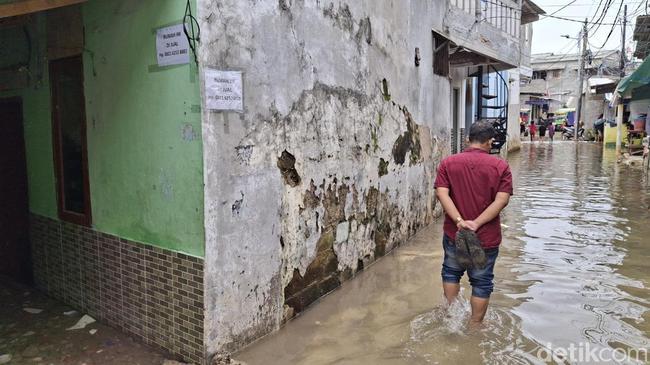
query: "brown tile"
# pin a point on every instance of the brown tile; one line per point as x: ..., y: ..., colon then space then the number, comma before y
x: 91, y: 274
x: 153, y: 294
x: 54, y: 257
x: 38, y: 241
x: 133, y: 289
x: 71, y: 257
x: 110, y: 287
x: 159, y: 323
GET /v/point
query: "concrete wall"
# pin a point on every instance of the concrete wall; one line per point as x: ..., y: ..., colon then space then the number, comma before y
x: 514, y: 106
x: 462, y: 27
x: 143, y: 125
x: 594, y: 105
x: 525, y: 45
x: 458, y: 79
x: 326, y: 169
x: 639, y: 107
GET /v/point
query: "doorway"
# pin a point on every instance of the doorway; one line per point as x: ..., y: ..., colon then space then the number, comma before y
x: 15, y: 253
x: 455, y: 116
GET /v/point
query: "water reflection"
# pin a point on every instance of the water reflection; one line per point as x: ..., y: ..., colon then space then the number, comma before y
x: 574, y: 242
x: 573, y: 273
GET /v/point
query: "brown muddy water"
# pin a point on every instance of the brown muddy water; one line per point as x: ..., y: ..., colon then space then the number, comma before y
x: 571, y: 282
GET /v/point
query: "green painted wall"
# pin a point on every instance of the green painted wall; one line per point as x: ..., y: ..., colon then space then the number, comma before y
x: 144, y: 130
x: 145, y: 167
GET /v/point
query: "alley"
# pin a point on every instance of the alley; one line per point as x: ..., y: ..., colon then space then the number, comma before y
x: 571, y: 272
x: 34, y: 329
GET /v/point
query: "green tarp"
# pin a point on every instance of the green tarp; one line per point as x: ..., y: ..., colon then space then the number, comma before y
x: 640, y: 77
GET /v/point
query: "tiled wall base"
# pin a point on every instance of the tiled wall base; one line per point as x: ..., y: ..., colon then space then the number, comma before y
x: 153, y: 294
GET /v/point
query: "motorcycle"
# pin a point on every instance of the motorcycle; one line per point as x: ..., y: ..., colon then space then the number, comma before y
x: 569, y: 133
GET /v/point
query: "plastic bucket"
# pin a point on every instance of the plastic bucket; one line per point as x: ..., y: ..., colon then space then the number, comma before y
x: 639, y: 124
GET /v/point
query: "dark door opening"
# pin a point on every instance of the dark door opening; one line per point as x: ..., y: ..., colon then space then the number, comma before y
x: 15, y: 253
x: 455, y: 117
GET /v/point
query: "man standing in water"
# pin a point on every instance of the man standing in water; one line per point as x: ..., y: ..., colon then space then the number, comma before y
x: 473, y: 187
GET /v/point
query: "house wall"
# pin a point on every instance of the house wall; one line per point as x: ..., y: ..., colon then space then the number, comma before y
x: 281, y: 233
x: 143, y: 127
x: 458, y: 79
x: 640, y: 106
x: 139, y: 266
x: 594, y: 106
x: 518, y: 101
x: 514, y: 106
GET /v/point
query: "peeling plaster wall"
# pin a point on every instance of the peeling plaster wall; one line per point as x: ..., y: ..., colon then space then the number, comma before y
x: 329, y: 166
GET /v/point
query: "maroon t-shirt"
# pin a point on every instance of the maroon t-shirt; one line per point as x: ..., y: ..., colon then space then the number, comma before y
x: 474, y: 177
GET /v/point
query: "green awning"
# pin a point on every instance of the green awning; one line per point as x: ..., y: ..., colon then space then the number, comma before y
x: 640, y: 77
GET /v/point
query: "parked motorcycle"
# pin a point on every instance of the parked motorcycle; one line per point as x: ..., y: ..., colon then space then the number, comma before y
x: 569, y: 133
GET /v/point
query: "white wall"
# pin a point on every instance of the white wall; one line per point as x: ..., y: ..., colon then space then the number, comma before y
x: 313, y: 76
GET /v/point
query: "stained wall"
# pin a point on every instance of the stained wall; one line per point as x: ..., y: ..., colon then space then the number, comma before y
x: 330, y: 165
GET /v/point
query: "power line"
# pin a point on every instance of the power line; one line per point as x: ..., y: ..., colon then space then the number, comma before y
x: 603, y: 14
x: 618, y: 13
x: 581, y: 5
x: 562, y: 8
x: 607, y: 39
x: 579, y: 21
x: 599, y: 22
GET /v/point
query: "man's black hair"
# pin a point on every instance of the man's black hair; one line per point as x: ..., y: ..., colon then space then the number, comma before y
x: 481, y: 132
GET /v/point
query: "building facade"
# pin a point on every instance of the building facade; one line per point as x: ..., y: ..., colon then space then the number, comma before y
x: 199, y: 204
x: 554, y: 84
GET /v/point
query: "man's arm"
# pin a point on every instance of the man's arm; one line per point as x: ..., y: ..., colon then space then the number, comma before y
x: 450, y: 208
x: 492, y: 211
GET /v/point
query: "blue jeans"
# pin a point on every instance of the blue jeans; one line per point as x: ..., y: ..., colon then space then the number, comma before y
x: 480, y: 279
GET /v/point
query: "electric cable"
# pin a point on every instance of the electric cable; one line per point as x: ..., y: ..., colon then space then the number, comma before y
x: 193, y: 34
x: 611, y: 30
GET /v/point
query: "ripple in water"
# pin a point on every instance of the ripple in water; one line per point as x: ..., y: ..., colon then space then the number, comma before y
x: 442, y: 336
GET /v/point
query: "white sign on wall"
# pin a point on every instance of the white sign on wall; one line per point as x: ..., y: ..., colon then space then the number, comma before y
x: 223, y: 90
x: 172, y: 47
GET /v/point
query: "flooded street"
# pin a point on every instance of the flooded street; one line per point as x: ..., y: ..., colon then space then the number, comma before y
x: 571, y: 281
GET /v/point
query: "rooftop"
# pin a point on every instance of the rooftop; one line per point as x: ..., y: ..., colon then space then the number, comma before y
x: 567, y: 57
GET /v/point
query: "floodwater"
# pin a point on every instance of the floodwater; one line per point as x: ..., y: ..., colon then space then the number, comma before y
x: 571, y: 283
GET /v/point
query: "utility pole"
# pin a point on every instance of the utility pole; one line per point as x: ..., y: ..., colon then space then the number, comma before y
x: 581, y: 77
x: 620, y: 108
x: 622, y: 64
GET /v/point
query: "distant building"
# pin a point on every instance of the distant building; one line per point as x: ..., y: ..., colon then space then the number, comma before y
x: 554, y: 82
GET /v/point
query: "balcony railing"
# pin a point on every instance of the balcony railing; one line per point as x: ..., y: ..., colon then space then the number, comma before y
x: 504, y: 15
